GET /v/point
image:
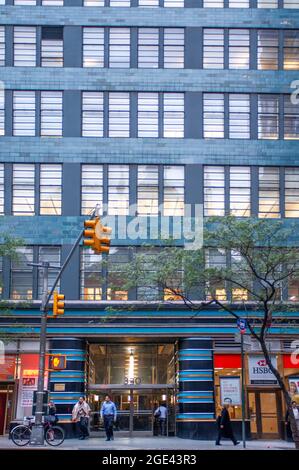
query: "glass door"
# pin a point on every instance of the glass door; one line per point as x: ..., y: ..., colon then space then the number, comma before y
x: 265, y: 414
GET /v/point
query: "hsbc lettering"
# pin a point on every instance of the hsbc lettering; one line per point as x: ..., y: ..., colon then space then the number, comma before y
x: 259, y: 372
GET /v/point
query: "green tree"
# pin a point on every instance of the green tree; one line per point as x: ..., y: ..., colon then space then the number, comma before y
x: 262, y: 263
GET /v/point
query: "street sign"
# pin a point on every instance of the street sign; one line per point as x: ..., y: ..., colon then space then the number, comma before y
x: 241, y: 324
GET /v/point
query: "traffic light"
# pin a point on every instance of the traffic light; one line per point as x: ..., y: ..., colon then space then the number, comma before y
x: 58, y: 304
x: 102, y: 237
x: 96, y: 236
x: 57, y: 362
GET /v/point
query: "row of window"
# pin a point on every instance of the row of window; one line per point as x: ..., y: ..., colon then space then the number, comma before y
x: 168, y: 3
x: 38, y: 189
x: 157, y: 47
x: 158, y: 115
x: 104, y: 281
x: 242, y: 191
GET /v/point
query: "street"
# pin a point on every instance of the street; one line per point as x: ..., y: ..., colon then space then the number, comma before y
x: 155, y: 443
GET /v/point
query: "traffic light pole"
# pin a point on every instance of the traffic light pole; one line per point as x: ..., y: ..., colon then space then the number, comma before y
x: 37, y: 435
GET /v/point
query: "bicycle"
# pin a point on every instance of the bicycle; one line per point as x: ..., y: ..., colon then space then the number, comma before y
x: 20, y: 435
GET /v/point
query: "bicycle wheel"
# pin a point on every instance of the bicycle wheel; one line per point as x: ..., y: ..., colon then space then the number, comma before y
x: 54, y: 436
x: 20, y: 435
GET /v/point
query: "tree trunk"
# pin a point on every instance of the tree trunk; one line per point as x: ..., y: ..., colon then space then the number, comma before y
x: 288, y: 400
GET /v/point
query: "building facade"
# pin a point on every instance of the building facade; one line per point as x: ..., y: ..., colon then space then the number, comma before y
x: 144, y: 108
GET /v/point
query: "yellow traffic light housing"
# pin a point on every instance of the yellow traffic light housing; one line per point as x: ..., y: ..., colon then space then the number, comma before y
x: 58, y: 304
x: 96, y: 236
x: 102, y: 237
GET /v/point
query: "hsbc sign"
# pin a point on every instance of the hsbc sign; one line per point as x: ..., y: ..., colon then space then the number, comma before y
x: 259, y: 372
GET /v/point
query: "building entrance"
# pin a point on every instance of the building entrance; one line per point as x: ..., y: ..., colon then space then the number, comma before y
x: 6, y: 406
x: 135, y: 409
x: 265, y: 413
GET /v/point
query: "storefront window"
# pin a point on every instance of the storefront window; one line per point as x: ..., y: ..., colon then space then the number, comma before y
x: 228, y: 376
x: 131, y: 364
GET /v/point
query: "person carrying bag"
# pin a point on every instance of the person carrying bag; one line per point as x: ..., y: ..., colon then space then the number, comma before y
x: 80, y: 415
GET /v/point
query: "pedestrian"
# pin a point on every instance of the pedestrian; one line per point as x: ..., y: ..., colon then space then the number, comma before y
x: 287, y: 418
x: 224, y: 424
x: 51, y: 418
x: 161, y: 414
x: 80, y: 415
x: 108, y: 414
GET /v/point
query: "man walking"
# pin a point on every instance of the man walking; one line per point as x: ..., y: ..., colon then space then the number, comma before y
x: 161, y: 414
x: 108, y: 414
x: 224, y: 425
x: 80, y: 415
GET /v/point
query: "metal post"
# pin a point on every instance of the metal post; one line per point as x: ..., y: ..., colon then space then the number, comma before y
x: 37, y: 435
x: 243, y: 392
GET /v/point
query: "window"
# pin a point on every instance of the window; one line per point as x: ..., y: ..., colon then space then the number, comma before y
x: 239, y: 191
x: 120, y: 3
x: 52, y: 255
x: 269, y: 206
x: 213, y: 49
x: 25, y: 2
x: 119, y: 47
x: 119, y: 114
x: 214, y: 202
x: 23, y: 189
x: 213, y: 108
x: 50, y: 189
x: 291, y: 4
x: 239, y: 116
x: 91, y: 275
x: 213, y: 4
x: 91, y: 188
x: 52, y: 3
x: 215, y: 258
x: 94, y: 3
x: 24, y: 46
x: 118, y: 190
x: 2, y: 45
x: 291, y: 119
x: 292, y: 192
x: 148, y: 113
x: 291, y: 50
x: 149, y: 290
x: 148, y: 47
x: 267, y: 3
x: 268, y: 112
x: 24, y: 113
x: 52, y: 47
x: 267, y: 51
x: 174, y: 41
x: 173, y: 190
x: 92, y: 114
x: 51, y: 114
x: 238, y: 3
x: 93, y: 47
x: 22, y: 275
x: 2, y: 109
x: 239, y: 49
x: 173, y: 3
x: 173, y: 115
x: 148, y: 190
x: 148, y: 3
x: 117, y: 260
x: 1, y: 188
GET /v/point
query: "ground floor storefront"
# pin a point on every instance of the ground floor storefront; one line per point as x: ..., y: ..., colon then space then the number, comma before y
x: 191, y: 376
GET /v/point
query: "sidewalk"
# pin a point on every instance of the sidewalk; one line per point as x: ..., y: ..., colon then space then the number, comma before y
x: 153, y: 443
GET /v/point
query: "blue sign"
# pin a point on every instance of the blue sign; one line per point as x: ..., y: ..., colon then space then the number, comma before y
x: 241, y: 323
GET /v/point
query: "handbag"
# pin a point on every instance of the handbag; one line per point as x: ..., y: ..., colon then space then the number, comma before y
x: 158, y: 413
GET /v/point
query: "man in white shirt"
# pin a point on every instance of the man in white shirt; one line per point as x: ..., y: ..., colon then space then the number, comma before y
x: 161, y: 414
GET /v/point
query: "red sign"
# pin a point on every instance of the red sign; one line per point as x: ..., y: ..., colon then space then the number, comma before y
x: 227, y: 361
x: 288, y: 363
x: 7, y: 370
